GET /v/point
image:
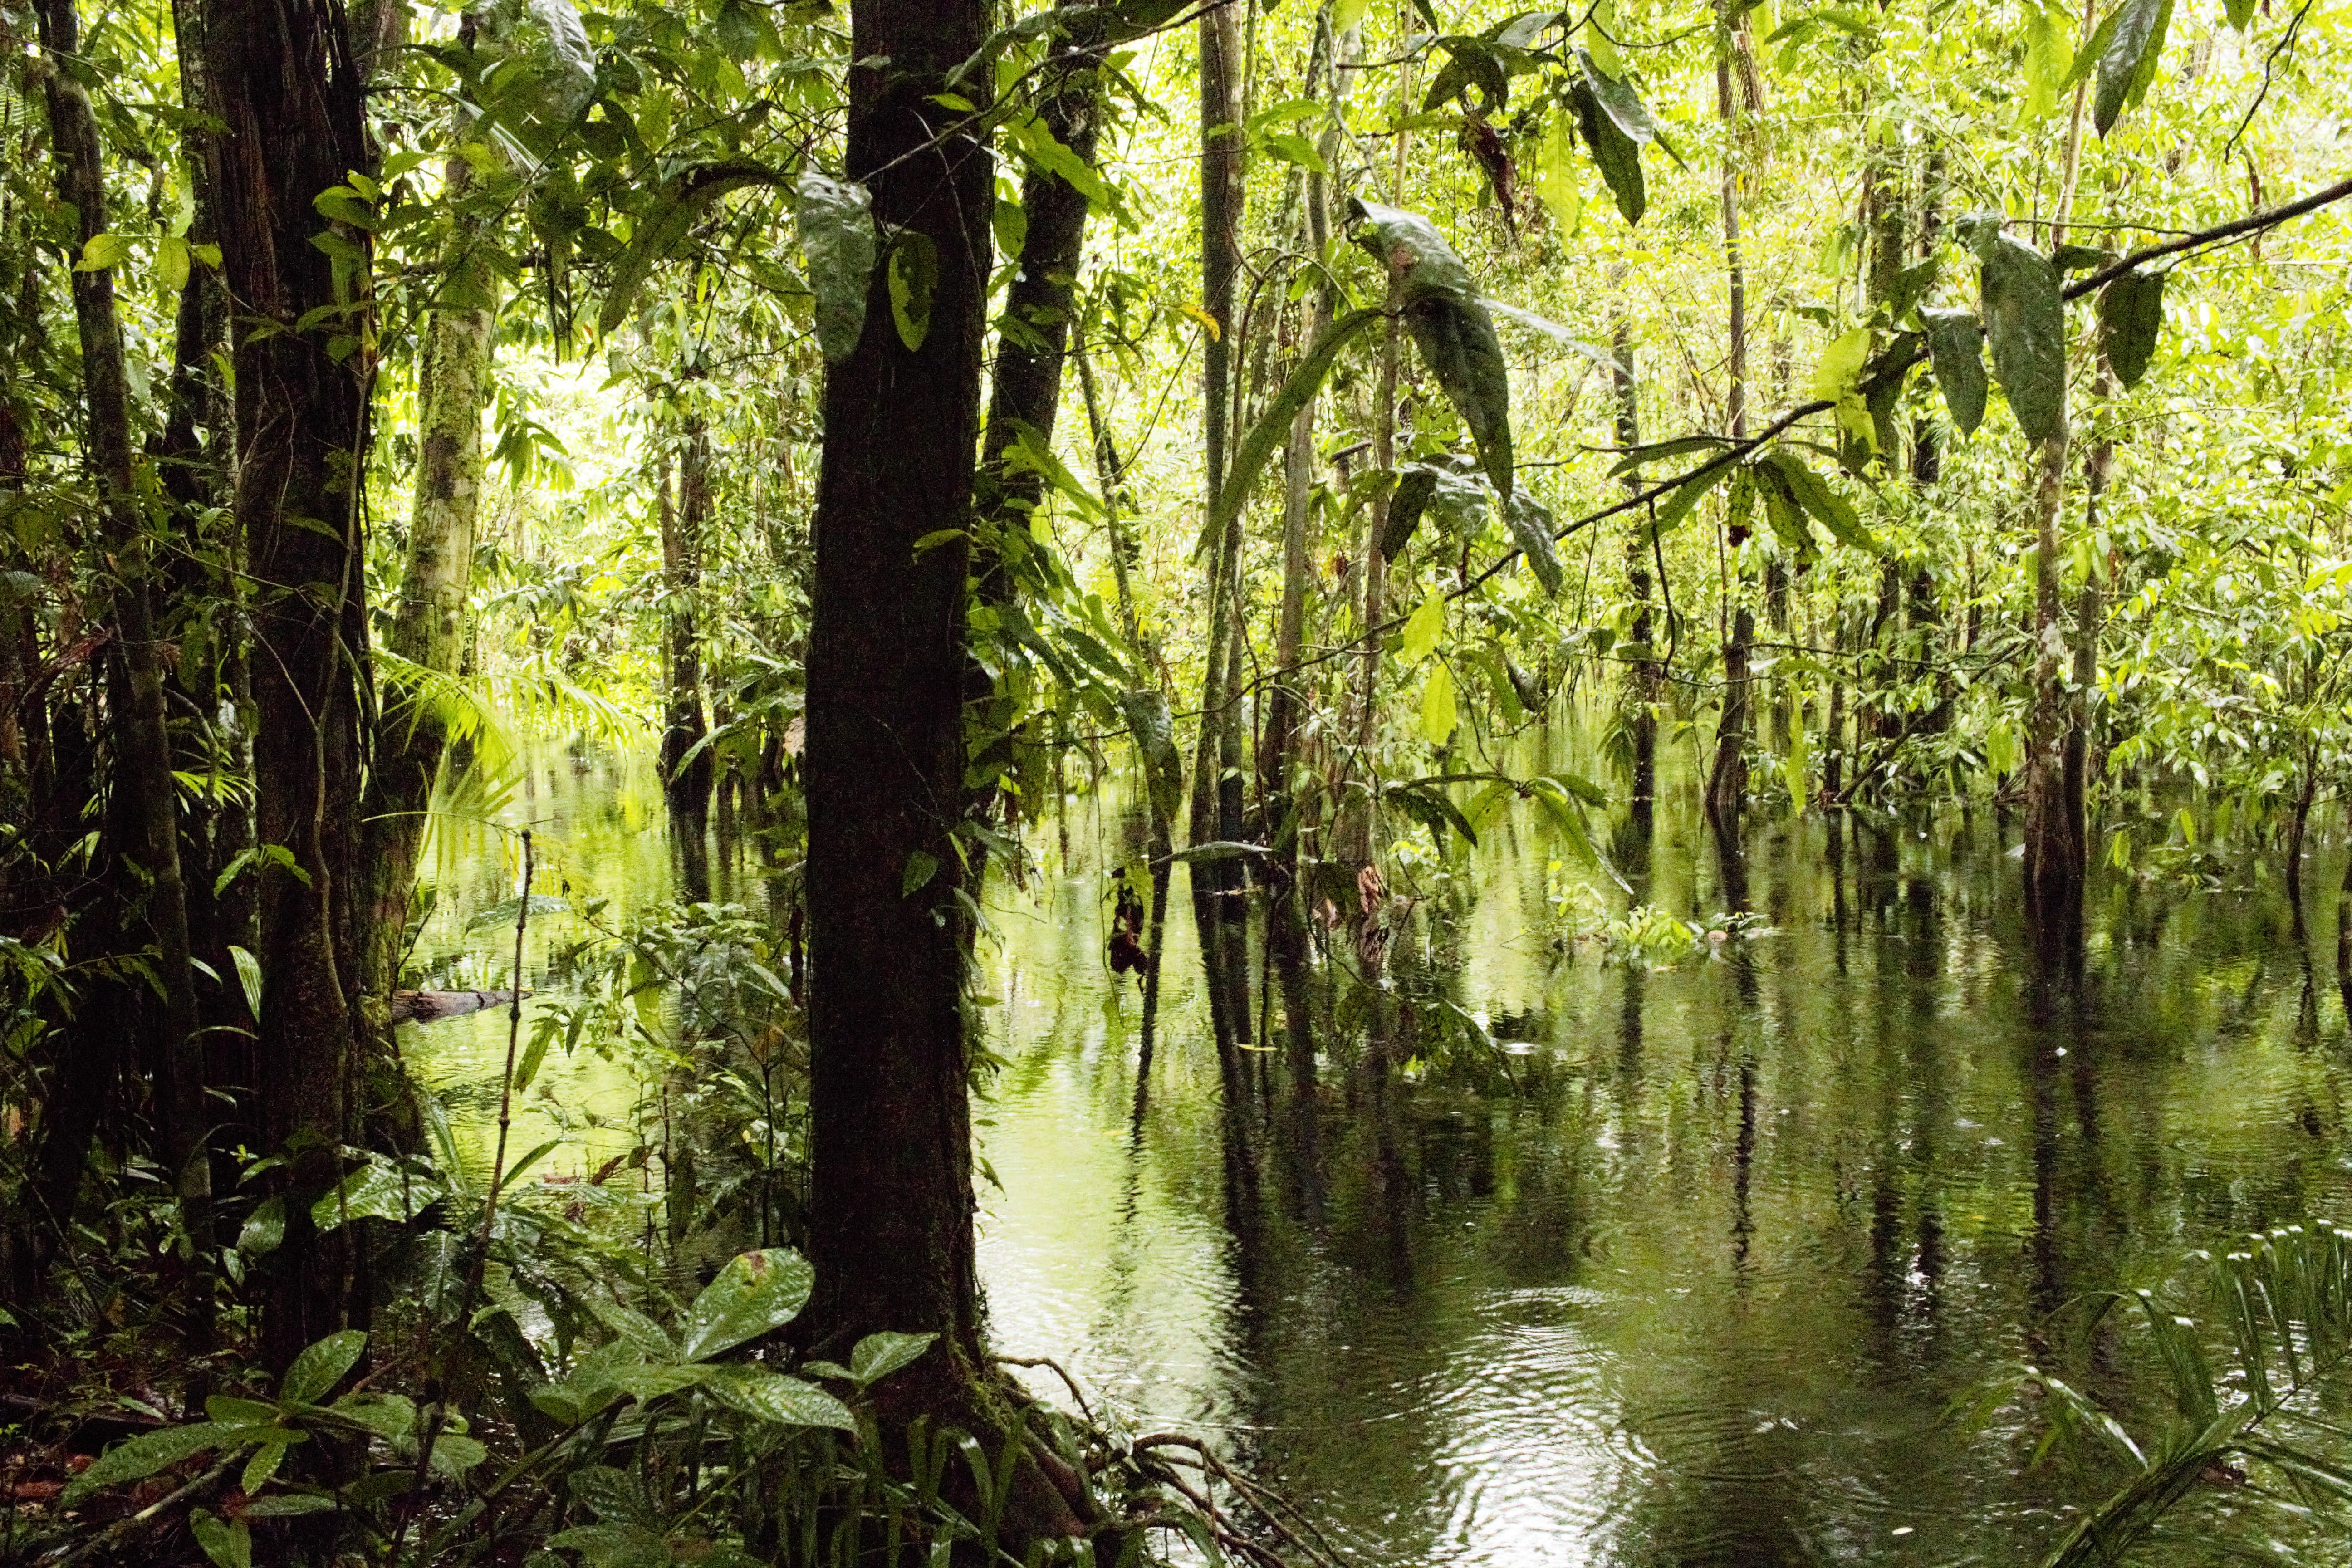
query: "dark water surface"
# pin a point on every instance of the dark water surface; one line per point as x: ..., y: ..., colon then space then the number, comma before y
x: 1688, y: 1266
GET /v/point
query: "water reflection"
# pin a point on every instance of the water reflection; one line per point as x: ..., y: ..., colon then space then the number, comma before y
x: 1698, y: 1289
x: 1687, y: 1275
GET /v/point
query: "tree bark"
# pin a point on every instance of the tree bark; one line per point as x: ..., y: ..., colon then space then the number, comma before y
x: 1643, y: 679
x: 289, y: 95
x: 428, y: 626
x: 685, y: 778
x: 149, y: 811
x: 1221, y: 202
x: 1728, y: 781
x: 892, y: 1228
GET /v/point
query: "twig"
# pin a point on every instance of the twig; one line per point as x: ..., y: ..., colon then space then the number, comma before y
x: 1067, y: 1380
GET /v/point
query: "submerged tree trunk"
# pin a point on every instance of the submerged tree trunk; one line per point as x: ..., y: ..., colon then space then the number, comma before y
x: 148, y: 810
x: 686, y: 771
x: 1643, y: 680
x: 1728, y: 782
x: 1221, y: 203
x: 428, y: 626
x: 290, y: 98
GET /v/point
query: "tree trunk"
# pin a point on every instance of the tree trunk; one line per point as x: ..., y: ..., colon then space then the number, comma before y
x: 429, y: 627
x: 687, y: 779
x: 290, y: 95
x: 1643, y: 680
x: 151, y: 840
x: 1728, y: 782
x: 1025, y: 395
x: 892, y: 1227
x: 1220, y: 201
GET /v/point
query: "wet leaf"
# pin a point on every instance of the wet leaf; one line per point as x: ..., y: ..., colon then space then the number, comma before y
x: 1956, y: 348
x: 2131, y: 315
x: 1820, y: 499
x: 2025, y: 320
x: 2127, y: 64
x: 1449, y: 326
x: 1530, y: 523
x: 837, y: 228
x: 757, y: 1291
x: 1617, y: 155
x: 320, y: 1366
x: 1423, y: 628
x: 1414, y: 487
x: 772, y: 1396
x: 914, y: 275
x: 877, y: 1355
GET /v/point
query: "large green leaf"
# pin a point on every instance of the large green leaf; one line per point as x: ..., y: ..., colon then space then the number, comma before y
x: 375, y: 1191
x: 138, y: 1457
x: 2025, y: 317
x: 1617, y: 155
x: 2127, y: 65
x: 1414, y: 488
x: 1154, y: 728
x: 877, y: 1355
x: 2131, y: 314
x: 835, y: 220
x: 663, y: 228
x: 1274, y: 421
x: 772, y: 1396
x: 320, y: 1366
x: 1677, y: 505
x: 757, y: 1291
x: 1955, y: 349
x: 1449, y: 325
x: 1531, y: 525
x: 1618, y: 100
x: 1820, y: 499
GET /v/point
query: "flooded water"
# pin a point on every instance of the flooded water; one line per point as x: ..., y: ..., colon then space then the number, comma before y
x: 1687, y: 1268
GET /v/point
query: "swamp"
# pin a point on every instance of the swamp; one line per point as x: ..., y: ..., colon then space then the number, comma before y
x: 920, y: 781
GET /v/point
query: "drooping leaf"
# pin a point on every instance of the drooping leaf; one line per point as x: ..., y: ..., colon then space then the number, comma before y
x: 1782, y: 510
x: 1685, y: 496
x: 265, y: 1228
x: 1955, y: 349
x: 2025, y: 319
x: 2127, y: 65
x: 1658, y: 451
x: 2131, y: 315
x: 1556, y: 176
x: 1449, y: 326
x: 1530, y: 523
x: 1617, y: 155
x: 1273, y: 422
x: 227, y: 1542
x: 1439, y: 712
x: 1423, y: 628
x: 1414, y: 488
x: 914, y: 277
x: 1820, y: 499
x: 248, y: 977
x: 322, y: 1365
x: 1469, y: 62
x: 661, y: 229
x: 1154, y: 728
x: 836, y: 221
x: 1619, y: 102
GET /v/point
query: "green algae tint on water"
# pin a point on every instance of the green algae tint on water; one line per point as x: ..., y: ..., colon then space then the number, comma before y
x: 1686, y: 1269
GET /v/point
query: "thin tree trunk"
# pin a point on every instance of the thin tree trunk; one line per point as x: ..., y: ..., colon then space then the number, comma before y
x: 143, y: 740
x: 1728, y: 782
x: 290, y: 95
x: 1643, y: 682
x: 428, y: 626
x: 1221, y: 199
x: 686, y: 772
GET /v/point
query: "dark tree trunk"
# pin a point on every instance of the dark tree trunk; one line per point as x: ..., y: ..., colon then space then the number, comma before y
x: 1026, y: 392
x: 891, y: 1232
x: 1220, y: 205
x: 289, y: 95
x: 1643, y: 683
x: 686, y: 777
x: 146, y: 812
x: 1726, y: 785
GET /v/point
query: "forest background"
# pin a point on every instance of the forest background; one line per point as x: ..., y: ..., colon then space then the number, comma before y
x: 922, y: 418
